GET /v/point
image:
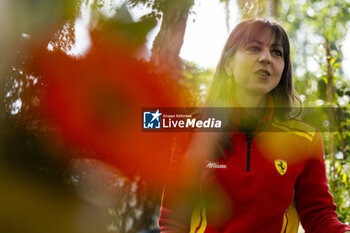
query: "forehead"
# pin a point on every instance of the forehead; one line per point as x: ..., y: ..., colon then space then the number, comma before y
x: 260, y: 31
x: 265, y: 36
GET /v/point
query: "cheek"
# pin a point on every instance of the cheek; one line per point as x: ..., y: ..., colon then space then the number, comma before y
x: 280, y: 68
x: 239, y: 75
x: 241, y: 69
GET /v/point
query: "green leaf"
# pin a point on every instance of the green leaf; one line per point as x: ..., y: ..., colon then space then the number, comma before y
x: 333, y: 60
x: 339, y: 168
x: 345, y: 178
x: 336, y: 65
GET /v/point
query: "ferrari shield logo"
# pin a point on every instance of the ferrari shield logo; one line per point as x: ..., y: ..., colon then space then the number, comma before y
x: 281, y: 166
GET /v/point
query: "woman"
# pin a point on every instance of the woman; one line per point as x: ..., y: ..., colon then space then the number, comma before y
x: 269, y: 171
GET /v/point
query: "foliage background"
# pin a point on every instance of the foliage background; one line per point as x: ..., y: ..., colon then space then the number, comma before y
x: 317, y: 30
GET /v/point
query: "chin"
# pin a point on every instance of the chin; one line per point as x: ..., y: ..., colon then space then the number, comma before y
x: 260, y: 91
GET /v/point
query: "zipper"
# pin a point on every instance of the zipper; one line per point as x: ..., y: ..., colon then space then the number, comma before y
x: 249, y: 144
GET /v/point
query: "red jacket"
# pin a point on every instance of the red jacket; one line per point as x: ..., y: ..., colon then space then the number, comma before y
x: 266, y: 184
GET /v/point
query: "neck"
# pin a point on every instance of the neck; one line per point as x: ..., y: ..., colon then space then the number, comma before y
x: 254, y: 103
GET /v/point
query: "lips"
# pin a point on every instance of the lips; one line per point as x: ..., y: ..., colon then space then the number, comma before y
x: 263, y: 73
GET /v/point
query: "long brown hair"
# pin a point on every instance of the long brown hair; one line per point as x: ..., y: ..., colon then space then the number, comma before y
x: 222, y: 86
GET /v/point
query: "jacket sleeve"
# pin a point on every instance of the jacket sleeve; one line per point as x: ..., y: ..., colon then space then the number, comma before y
x: 174, y: 218
x: 314, y: 202
x: 178, y: 194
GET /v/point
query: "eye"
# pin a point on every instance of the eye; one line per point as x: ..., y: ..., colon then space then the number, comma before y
x: 277, y: 52
x: 253, y: 48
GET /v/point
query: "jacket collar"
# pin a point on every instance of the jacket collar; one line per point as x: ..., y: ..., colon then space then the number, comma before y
x: 243, y: 121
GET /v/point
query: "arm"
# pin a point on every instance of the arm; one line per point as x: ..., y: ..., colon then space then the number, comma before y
x: 178, y: 194
x: 181, y: 192
x: 314, y: 202
x: 175, y: 212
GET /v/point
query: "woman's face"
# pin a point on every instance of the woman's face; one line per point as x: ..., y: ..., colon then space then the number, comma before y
x: 257, y: 66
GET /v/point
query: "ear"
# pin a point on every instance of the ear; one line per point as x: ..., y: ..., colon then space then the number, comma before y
x: 228, y: 66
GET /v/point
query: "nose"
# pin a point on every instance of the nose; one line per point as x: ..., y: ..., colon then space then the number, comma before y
x: 265, y: 57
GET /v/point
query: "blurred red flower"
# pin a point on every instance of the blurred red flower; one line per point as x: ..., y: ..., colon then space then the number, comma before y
x: 96, y: 103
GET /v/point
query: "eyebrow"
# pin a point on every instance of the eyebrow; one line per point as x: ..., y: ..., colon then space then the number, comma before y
x: 261, y: 43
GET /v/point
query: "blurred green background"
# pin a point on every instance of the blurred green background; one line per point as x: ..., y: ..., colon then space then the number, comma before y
x: 40, y: 193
